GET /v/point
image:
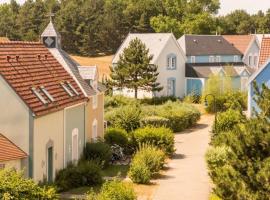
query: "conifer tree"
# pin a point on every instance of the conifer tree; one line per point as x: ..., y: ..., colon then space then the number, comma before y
x: 134, y: 69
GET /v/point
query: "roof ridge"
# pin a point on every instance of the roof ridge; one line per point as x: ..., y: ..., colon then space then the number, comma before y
x: 19, y: 42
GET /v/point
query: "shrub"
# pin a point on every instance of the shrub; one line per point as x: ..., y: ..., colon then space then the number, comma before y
x: 86, y: 173
x: 14, y: 186
x: 118, y: 101
x: 116, y: 136
x: 126, y: 117
x: 227, y: 121
x: 98, y: 151
x: 154, y: 121
x: 114, y: 190
x: 162, y: 137
x: 146, y: 162
x: 158, y: 100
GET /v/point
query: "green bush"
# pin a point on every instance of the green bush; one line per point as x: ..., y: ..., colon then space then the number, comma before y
x: 114, y: 190
x: 126, y: 117
x: 116, y: 136
x: 98, y: 151
x: 162, y: 138
x: 86, y: 173
x: 14, y: 186
x: 158, y: 100
x: 227, y: 121
x: 154, y: 121
x: 146, y: 162
x: 118, y: 101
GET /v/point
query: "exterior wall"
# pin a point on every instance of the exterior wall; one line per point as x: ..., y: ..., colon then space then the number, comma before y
x: 14, y: 118
x: 15, y: 164
x: 236, y: 83
x: 178, y: 74
x: 254, y: 50
x: 48, y: 131
x: 74, y: 119
x: 93, y: 114
x: 263, y: 77
x: 205, y: 59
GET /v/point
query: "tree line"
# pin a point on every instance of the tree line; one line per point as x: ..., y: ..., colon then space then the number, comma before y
x: 92, y: 27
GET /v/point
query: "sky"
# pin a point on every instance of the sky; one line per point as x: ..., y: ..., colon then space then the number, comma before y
x: 227, y: 6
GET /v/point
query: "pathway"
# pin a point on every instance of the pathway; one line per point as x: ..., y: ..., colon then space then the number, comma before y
x: 186, y: 177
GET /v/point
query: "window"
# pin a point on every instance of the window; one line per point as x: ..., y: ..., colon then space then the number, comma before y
x: 47, y: 93
x: 211, y: 59
x: 67, y: 89
x: 73, y: 89
x: 235, y: 59
x: 218, y: 59
x: 41, y: 98
x: 255, y: 60
x: 249, y: 60
x: 94, y: 130
x: 171, y: 87
x: 171, y: 61
x: 75, y: 145
x: 193, y: 59
x: 95, y: 101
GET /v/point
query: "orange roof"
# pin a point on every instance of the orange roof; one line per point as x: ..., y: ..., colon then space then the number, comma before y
x: 29, y: 65
x: 9, y: 151
x: 4, y: 39
x: 241, y: 42
x: 265, y: 50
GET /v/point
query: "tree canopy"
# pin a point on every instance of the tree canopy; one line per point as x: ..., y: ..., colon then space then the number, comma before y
x: 92, y: 27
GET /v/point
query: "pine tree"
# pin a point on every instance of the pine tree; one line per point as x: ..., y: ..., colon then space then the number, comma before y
x: 134, y: 70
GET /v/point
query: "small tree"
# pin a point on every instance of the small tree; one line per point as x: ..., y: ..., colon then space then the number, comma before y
x: 134, y: 70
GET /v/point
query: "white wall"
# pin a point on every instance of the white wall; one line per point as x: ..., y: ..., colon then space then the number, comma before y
x: 164, y: 73
x: 253, y: 50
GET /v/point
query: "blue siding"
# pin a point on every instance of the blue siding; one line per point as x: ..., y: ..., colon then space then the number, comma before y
x: 194, y: 86
x: 205, y: 59
x: 263, y: 77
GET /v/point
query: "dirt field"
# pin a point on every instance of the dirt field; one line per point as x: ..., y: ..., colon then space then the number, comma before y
x: 102, y: 63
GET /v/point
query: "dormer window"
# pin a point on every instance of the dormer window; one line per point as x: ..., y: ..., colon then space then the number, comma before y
x: 50, y: 42
x: 39, y: 96
x: 171, y: 61
x: 43, y: 89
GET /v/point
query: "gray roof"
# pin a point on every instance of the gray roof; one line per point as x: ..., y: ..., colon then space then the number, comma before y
x: 71, y: 66
x: 205, y: 71
x: 50, y: 31
x: 154, y: 41
x: 196, y: 45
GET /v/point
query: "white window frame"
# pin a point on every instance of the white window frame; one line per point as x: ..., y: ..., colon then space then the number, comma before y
x: 75, y: 132
x: 250, y: 59
x: 255, y: 61
x: 95, y: 101
x: 193, y: 59
x: 218, y: 59
x: 211, y: 59
x: 171, y: 62
x: 94, y: 130
x: 235, y: 59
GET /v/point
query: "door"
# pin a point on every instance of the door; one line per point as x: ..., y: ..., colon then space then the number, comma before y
x: 50, y: 165
x: 171, y: 87
x: 75, y: 145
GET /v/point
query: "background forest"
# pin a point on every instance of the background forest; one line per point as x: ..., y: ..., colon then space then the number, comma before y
x: 92, y: 27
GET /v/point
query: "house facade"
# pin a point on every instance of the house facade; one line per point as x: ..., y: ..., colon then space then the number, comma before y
x: 168, y: 56
x: 209, y: 55
x: 91, y: 88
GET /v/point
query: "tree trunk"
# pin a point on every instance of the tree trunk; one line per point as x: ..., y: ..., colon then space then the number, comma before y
x: 136, y: 93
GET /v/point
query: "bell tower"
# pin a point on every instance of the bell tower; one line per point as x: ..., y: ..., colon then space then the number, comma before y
x: 50, y: 37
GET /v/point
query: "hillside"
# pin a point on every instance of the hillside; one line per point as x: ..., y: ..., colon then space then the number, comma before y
x: 102, y: 63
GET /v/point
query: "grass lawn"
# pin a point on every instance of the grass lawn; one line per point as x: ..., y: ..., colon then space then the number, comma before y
x: 116, y: 170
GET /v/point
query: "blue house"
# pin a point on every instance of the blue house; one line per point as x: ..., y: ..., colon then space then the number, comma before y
x: 209, y: 55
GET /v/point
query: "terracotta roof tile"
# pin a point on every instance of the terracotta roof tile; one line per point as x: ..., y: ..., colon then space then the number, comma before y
x: 9, y: 151
x: 241, y: 42
x: 4, y: 39
x: 35, y: 66
x: 265, y: 51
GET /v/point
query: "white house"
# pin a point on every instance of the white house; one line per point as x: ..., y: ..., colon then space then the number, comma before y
x: 168, y: 56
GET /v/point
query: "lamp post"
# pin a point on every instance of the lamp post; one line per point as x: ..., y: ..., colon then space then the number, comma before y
x: 215, y: 106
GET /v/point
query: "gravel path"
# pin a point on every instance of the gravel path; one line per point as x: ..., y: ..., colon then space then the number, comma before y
x: 186, y: 177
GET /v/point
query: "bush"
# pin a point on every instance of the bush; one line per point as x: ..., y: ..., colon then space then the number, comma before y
x: 116, y: 136
x: 126, y: 117
x: 147, y: 161
x: 114, y: 190
x: 154, y: 121
x: 227, y: 121
x: 14, y: 186
x: 162, y: 138
x: 98, y: 151
x: 158, y: 100
x: 86, y: 173
x: 118, y: 101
